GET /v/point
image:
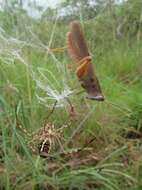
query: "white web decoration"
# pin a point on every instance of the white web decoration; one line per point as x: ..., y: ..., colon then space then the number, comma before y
x: 53, y: 89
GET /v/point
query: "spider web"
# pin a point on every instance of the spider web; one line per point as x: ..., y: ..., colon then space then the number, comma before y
x: 50, y: 87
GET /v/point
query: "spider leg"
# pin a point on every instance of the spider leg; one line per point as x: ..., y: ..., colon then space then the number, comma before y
x: 60, y: 144
x: 50, y: 113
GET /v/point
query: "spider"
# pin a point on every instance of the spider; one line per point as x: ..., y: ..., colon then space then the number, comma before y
x: 46, y: 138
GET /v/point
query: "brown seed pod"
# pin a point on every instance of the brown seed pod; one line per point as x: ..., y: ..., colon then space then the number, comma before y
x: 78, y: 51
